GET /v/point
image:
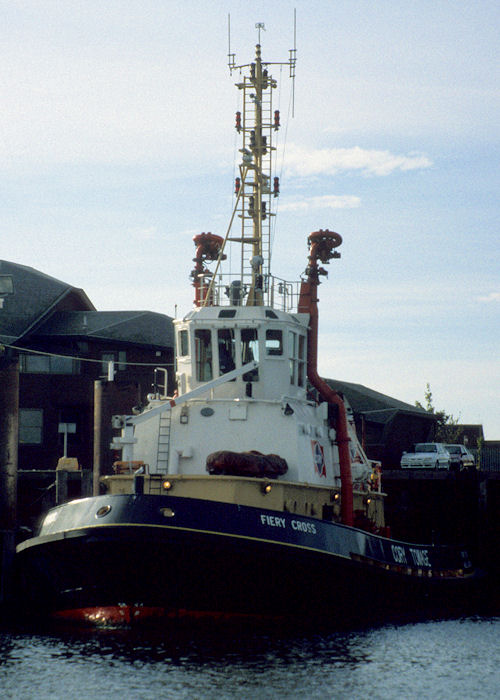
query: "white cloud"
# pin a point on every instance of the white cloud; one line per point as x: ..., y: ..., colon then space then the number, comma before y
x: 492, y: 296
x: 329, y: 161
x: 328, y: 201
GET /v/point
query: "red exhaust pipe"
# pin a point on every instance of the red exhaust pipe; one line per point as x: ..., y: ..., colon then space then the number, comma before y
x: 208, y: 248
x: 322, y: 247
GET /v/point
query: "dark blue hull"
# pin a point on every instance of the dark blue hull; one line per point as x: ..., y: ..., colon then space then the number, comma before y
x: 181, y: 556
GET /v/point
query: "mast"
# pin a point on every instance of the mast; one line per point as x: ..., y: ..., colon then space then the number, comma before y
x: 255, y: 187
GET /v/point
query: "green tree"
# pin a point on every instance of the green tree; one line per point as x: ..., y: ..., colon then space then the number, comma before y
x: 447, y: 428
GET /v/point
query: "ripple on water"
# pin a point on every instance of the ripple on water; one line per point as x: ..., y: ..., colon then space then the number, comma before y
x: 437, y: 659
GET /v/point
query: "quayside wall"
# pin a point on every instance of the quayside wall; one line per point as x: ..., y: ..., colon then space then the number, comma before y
x: 448, y: 507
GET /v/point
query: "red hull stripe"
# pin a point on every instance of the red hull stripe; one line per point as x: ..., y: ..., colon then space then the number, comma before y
x: 127, y: 614
x: 109, y: 614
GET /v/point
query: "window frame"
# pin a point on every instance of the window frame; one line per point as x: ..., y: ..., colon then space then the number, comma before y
x: 183, y: 342
x: 271, y: 350
x: 117, y: 357
x: 203, y: 360
x: 47, y: 364
x: 23, y: 426
x: 247, y: 347
x: 297, y: 357
x: 225, y: 357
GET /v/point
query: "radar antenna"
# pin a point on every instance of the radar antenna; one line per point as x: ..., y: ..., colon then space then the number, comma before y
x: 259, y: 26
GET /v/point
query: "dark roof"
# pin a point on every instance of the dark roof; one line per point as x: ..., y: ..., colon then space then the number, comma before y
x: 141, y: 327
x: 472, y: 430
x: 374, y: 405
x: 35, y: 296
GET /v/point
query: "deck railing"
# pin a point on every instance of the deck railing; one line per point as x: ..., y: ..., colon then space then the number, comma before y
x: 276, y: 292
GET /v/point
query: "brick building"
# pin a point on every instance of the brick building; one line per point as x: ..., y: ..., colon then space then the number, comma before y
x: 64, y: 344
x: 385, y: 425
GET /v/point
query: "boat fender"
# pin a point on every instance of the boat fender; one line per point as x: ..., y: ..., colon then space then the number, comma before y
x: 251, y: 463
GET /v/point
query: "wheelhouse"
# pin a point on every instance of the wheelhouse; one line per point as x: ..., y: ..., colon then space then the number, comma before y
x: 214, y: 341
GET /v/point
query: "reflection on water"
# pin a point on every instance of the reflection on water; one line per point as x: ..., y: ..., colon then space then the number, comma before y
x: 439, y: 659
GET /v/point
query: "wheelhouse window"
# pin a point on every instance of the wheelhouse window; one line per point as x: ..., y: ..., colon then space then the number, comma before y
x: 203, y: 353
x: 297, y: 358
x: 183, y: 343
x: 301, y: 365
x: 274, y: 342
x: 292, y: 353
x: 225, y: 342
x: 30, y: 426
x: 249, y: 352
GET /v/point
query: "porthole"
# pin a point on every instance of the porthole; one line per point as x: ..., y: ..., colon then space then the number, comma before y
x: 167, y: 512
x: 102, y: 511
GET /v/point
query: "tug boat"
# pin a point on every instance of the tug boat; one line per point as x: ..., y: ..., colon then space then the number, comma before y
x: 247, y: 493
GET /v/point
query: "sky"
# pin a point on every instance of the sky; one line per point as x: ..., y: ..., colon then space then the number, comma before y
x: 117, y: 146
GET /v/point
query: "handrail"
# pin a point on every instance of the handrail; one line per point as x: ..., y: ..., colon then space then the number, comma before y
x: 127, y: 423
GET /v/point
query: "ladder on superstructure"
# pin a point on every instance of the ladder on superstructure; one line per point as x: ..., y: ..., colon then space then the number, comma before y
x: 163, y: 442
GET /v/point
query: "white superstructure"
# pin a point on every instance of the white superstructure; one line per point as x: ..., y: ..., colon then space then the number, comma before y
x: 244, y: 381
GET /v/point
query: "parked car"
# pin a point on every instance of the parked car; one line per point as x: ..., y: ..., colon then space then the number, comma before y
x: 462, y: 459
x: 426, y: 455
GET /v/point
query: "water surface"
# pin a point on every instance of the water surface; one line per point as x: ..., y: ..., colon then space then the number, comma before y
x: 434, y: 659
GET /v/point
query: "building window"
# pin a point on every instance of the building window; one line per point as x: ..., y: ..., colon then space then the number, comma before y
x: 61, y: 365
x: 122, y: 360
x: 30, y: 426
x: 35, y: 364
x: 106, y: 358
x: 48, y: 364
x: 119, y: 358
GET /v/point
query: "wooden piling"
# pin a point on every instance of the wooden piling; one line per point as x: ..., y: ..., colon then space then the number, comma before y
x: 9, y: 432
